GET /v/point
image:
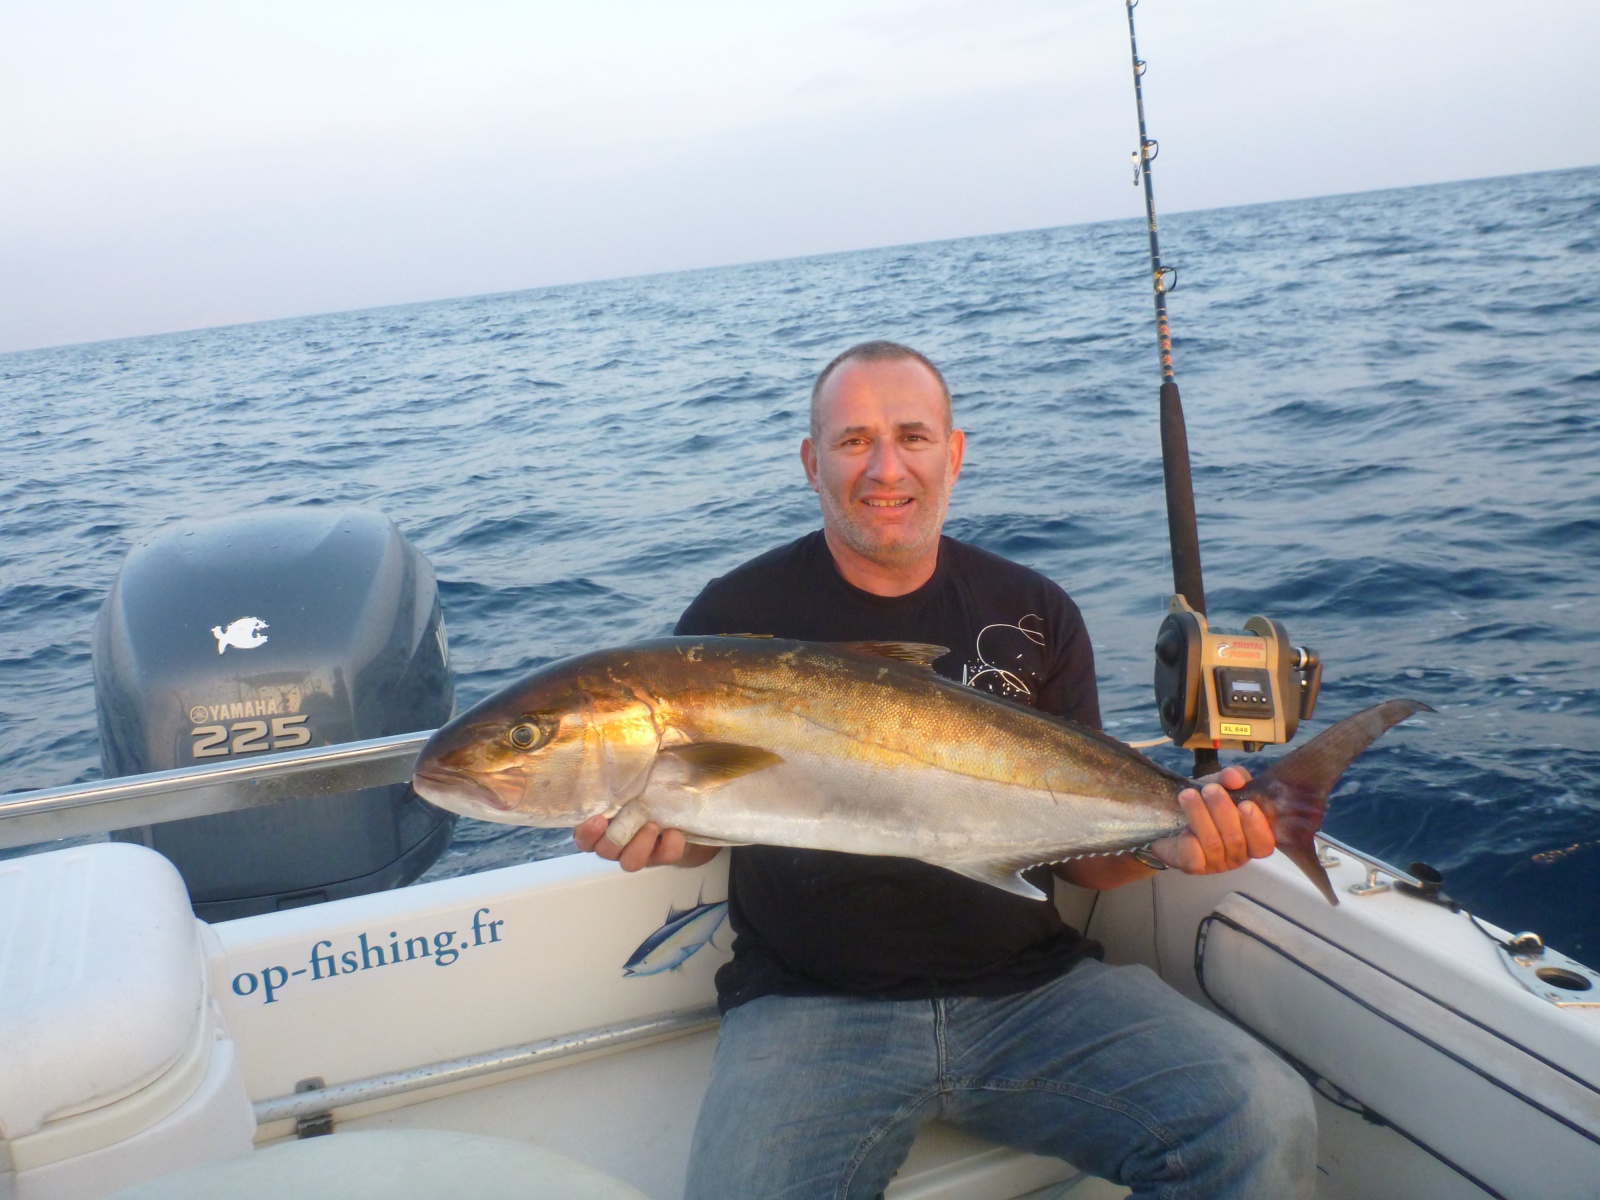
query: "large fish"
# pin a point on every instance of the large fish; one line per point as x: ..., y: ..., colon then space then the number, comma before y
x: 856, y: 746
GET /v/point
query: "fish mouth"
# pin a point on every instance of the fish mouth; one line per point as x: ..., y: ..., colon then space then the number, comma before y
x: 453, y: 790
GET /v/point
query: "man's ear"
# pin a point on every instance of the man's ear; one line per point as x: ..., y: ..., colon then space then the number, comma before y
x: 808, y: 459
x: 958, y: 450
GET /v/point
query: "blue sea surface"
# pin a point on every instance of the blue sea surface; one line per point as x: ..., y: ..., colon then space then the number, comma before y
x: 1394, y: 412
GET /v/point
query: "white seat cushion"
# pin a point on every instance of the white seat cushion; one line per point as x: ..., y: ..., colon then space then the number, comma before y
x: 101, y: 979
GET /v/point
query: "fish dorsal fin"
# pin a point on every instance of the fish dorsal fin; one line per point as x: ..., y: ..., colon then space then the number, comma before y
x: 712, y: 764
x: 767, y: 636
x: 917, y: 654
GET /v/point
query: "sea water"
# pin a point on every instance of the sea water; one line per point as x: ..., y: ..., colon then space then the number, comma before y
x: 1394, y: 413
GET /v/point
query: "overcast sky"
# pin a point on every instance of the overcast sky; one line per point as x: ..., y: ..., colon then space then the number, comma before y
x: 171, y: 164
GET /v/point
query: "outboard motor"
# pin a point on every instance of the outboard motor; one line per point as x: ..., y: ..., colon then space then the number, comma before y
x: 271, y: 631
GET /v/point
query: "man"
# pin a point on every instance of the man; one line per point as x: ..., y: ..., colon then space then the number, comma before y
x: 867, y: 995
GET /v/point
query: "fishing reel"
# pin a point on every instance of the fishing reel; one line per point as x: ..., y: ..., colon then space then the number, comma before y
x: 1219, y: 689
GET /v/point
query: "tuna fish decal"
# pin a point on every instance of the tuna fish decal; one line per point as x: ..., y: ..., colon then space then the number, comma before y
x: 678, y: 940
x: 243, y: 634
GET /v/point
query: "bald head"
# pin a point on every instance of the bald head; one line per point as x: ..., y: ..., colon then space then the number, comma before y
x: 871, y: 352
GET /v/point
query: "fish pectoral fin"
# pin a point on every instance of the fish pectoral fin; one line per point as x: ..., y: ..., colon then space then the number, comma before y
x: 710, y: 841
x: 1002, y: 873
x: 917, y: 654
x: 708, y: 765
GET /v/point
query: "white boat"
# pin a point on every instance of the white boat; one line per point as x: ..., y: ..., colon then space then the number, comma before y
x: 546, y: 1029
x: 463, y: 1036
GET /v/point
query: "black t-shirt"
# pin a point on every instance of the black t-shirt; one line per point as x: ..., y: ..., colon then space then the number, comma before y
x: 810, y: 922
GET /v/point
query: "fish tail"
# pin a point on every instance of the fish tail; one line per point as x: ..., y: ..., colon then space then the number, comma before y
x: 1293, y: 792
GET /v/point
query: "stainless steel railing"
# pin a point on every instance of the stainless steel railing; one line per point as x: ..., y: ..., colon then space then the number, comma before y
x: 322, y: 1100
x: 130, y: 800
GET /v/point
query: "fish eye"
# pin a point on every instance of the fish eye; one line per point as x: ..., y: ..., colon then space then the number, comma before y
x: 528, y: 735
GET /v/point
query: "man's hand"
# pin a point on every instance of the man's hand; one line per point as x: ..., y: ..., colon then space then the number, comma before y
x: 652, y: 846
x: 1222, y: 835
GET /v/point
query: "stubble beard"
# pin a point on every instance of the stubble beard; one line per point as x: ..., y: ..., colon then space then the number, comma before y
x: 887, y: 548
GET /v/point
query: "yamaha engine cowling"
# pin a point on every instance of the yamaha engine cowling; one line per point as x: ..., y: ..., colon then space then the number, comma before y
x: 272, y: 631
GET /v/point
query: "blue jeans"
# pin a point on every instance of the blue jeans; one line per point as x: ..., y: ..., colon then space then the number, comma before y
x: 1106, y: 1067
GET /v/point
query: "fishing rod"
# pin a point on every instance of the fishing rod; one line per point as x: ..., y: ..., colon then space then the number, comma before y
x: 1181, y: 528
x: 1215, y: 689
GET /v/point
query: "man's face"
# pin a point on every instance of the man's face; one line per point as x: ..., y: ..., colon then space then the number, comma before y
x: 882, y: 461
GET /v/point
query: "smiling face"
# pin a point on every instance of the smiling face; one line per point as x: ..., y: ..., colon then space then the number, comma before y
x: 882, y: 459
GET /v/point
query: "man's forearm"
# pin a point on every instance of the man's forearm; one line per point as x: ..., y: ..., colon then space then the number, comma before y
x: 1102, y: 872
